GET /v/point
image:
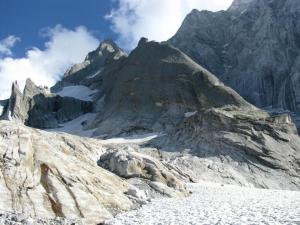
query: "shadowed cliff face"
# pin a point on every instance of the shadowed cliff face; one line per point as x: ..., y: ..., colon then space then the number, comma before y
x: 37, y: 107
x: 253, y: 47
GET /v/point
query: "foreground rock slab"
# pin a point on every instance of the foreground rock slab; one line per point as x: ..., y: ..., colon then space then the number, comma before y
x: 50, y: 175
x: 56, y: 175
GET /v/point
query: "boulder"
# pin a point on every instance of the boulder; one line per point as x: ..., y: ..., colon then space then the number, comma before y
x: 131, y: 164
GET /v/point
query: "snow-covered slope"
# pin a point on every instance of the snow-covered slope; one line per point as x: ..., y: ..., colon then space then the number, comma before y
x: 78, y: 91
x: 217, y: 204
x: 77, y: 126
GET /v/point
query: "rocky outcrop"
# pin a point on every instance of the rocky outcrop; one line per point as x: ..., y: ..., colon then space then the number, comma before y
x: 234, y: 146
x: 253, y: 47
x: 37, y: 107
x: 49, y: 175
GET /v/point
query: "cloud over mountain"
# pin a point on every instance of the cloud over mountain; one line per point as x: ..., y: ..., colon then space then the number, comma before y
x: 63, y: 48
x: 7, y: 44
x: 155, y: 19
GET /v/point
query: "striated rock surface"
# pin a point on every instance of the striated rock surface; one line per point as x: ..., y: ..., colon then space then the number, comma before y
x: 53, y: 175
x: 235, y: 147
x: 253, y: 47
x: 49, y: 175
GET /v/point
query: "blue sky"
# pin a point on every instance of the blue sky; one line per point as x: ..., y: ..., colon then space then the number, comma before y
x: 41, y: 39
x: 26, y: 18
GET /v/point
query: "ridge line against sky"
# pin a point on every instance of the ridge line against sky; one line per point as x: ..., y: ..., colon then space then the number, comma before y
x: 54, y: 47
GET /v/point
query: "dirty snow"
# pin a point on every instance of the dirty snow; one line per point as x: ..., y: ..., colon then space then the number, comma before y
x: 132, y: 139
x: 190, y: 114
x: 78, y: 91
x: 75, y: 126
x: 217, y: 204
x: 1, y: 110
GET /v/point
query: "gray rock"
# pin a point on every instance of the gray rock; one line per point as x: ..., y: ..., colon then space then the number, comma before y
x: 130, y: 164
x: 239, y: 147
x: 253, y: 47
x: 37, y: 107
x: 46, y: 175
x: 153, y: 88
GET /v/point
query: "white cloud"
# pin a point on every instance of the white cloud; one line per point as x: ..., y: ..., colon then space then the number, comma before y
x: 155, y: 19
x: 6, y: 45
x: 63, y: 49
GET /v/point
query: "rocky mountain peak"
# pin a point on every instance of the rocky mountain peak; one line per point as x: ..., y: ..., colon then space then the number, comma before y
x: 32, y: 89
x: 142, y: 41
x: 15, y: 88
x: 107, y: 52
x: 108, y: 45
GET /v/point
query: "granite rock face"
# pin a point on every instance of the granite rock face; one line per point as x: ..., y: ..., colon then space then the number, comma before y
x: 49, y: 175
x: 37, y: 107
x: 237, y: 147
x: 253, y: 47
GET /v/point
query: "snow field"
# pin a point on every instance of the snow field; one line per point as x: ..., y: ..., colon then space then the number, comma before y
x: 217, y: 204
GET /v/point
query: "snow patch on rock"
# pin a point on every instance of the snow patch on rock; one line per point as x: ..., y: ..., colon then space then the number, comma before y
x: 78, y: 91
x: 190, y: 114
x: 1, y: 109
x: 137, y: 139
x: 95, y: 74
